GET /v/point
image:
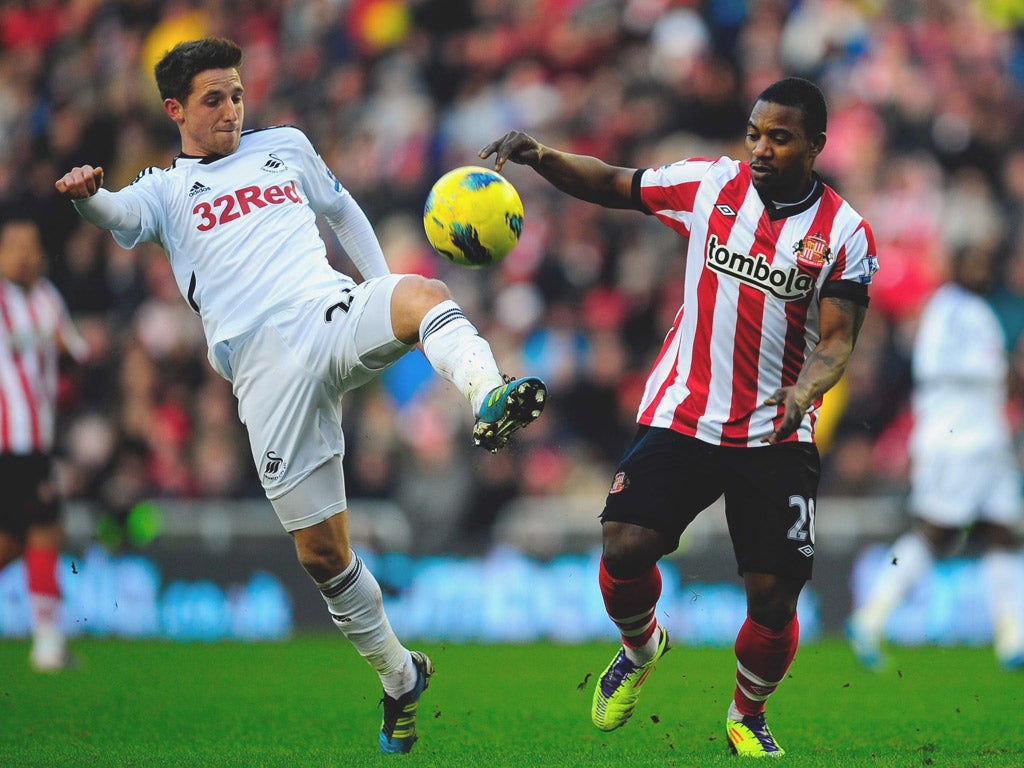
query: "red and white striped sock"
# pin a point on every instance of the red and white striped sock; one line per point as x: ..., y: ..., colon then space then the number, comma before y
x: 630, y: 604
x: 43, y: 589
x: 763, y: 657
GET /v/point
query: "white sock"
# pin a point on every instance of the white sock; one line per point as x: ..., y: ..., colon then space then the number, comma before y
x: 458, y: 353
x: 46, y: 619
x: 357, y: 609
x: 1001, y: 570
x: 643, y: 654
x: 908, y: 560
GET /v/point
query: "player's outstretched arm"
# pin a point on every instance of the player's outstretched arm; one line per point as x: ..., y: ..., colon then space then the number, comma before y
x: 841, y: 320
x: 107, y: 210
x: 582, y: 176
x: 80, y: 182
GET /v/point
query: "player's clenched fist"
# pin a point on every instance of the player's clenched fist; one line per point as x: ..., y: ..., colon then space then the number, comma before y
x: 516, y: 146
x: 81, y: 182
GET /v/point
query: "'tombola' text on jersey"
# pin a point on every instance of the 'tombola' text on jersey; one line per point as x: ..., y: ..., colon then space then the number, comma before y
x: 787, y: 284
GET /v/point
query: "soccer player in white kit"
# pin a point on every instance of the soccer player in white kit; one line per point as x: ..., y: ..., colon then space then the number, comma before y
x: 236, y: 214
x: 964, y: 470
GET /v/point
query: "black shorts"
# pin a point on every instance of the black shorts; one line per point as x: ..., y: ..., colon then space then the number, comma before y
x: 29, y: 496
x: 666, y: 479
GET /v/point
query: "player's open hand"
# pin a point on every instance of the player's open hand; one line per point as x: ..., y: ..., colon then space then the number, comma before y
x: 516, y: 146
x: 80, y: 182
x: 794, y: 414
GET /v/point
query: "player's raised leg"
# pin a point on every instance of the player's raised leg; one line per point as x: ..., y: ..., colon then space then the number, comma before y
x: 506, y: 409
x: 424, y: 311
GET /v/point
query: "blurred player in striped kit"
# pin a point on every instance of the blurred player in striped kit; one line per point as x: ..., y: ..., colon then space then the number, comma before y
x: 35, y: 330
x: 776, y: 287
x: 965, y: 476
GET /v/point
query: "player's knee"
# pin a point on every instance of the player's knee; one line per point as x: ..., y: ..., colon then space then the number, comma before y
x: 425, y: 292
x: 414, y: 297
x: 772, y: 600
x: 628, y: 550
x: 621, y: 563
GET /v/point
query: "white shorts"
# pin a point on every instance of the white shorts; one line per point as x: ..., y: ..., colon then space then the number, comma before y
x: 956, y: 491
x: 289, y: 376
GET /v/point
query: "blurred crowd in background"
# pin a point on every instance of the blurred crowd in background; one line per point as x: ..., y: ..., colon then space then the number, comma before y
x: 925, y: 138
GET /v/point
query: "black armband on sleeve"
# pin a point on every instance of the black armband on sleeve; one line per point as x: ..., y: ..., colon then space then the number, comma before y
x: 846, y: 289
x: 637, y: 202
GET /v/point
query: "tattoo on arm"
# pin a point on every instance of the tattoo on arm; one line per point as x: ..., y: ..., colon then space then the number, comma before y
x: 827, y: 361
x: 852, y: 310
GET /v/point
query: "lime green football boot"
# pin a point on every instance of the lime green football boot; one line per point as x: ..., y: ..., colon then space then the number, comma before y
x: 749, y: 737
x: 618, y: 690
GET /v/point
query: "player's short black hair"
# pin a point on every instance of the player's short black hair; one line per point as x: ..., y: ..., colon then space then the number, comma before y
x: 21, y: 209
x: 801, y: 93
x: 174, y: 72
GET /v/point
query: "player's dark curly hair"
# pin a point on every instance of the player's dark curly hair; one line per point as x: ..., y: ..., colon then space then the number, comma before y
x: 174, y: 72
x: 801, y: 93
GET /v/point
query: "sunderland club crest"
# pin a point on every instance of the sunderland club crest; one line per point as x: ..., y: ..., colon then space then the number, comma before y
x: 812, y: 251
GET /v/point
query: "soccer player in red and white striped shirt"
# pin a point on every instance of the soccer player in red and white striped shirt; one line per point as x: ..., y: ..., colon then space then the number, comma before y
x: 777, y: 271
x: 35, y: 329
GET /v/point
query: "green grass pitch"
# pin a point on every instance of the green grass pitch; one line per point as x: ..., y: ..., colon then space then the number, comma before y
x: 312, y: 701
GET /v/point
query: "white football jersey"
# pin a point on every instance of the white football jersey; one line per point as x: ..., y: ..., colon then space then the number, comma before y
x: 960, y: 372
x: 240, y: 231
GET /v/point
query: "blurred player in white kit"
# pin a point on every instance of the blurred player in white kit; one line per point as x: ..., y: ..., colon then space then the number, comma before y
x: 964, y: 475
x: 236, y: 214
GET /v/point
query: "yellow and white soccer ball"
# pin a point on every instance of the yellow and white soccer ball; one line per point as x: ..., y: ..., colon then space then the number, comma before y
x: 473, y: 216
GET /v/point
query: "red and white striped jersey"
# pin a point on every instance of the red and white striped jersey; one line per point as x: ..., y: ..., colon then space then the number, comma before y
x: 34, y: 327
x: 753, y: 283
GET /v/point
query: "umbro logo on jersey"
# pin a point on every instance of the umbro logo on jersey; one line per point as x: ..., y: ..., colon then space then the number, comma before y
x: 806, y: 550
x: 725, y: 210
x: 274, y: 164
x: 197, y: 189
